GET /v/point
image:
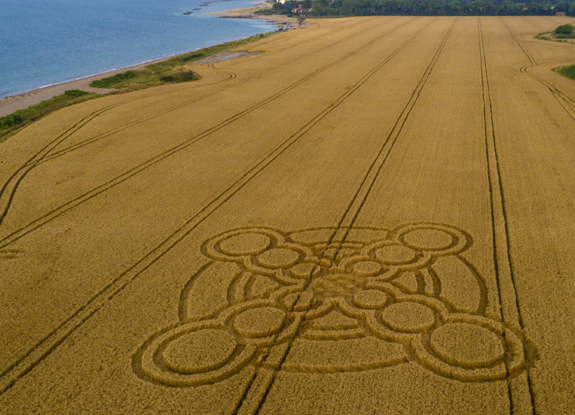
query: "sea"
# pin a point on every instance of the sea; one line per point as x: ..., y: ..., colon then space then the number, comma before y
x: 46, y: 42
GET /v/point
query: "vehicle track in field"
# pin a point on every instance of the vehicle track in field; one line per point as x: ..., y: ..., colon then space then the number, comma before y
x: 326, y: 34
x: 566, y: 102
x: 9, y: 189
x: 503, y: 264
x: 17, y: 234
x: 264, y: 377
x: 231, y: 76
x: 54, y: 338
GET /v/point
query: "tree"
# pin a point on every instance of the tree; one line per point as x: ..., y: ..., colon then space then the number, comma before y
x: 532, y: 8
x: 508, y: 8
x: 453, y: 8
x: 561, y: 7
x: 566, y: 29
x: 347, y: 8
x: 432, y: 7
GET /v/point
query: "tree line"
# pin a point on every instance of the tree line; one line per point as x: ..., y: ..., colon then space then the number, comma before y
x: 423, y: 8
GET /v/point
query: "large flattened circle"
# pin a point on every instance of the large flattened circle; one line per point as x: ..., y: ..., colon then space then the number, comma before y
x: 395, y: 254
x: 429, y: 239
x: 278, y: 258
x: 408, y: 317
x: 245, y: 244
x: 467, y: 345
x: 367, y: 268
x: 259, y: 322
x: 370, y: 299
x: 199, y: 351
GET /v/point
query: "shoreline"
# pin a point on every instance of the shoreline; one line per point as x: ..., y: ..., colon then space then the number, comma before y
x: 248, y: 13
x: 26, y: 99
x: 23, y: 100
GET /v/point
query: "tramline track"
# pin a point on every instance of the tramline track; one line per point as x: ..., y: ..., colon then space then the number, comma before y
x: 53, y: 339
x: 265, y: 377
x: 504, y: 273
x: 10, y: 187
x: 12, y: 237
x: 566, y: 102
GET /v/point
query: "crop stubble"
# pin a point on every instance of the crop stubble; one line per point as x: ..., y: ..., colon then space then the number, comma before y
x: 430, y: 161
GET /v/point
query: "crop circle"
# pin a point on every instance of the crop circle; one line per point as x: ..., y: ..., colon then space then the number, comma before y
x: 370, y: 299
x: 245, y: 244
x: 199, y: 351
x: 429, y: 239
x: 367, y: 268
x: 467, y: 345
x: 408, y: 317
x: 259, y: 322
x: 395, y: 254
x: 278, y: 258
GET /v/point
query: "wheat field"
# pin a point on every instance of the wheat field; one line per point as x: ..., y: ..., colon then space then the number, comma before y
x: 373, y: 216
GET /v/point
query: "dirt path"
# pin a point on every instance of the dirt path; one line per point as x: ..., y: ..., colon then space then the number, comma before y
x: 375, y: 215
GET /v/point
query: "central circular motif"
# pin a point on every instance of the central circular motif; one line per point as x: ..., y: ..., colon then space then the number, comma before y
x: 278, y: 258
x: 245, y: 244
x: 337, y: 285
x: 467, y: 345
x: 395, y: 254
x: 199, y: 351
x: 428, y: 239
x: 259, y: 322
x: 408, y: 317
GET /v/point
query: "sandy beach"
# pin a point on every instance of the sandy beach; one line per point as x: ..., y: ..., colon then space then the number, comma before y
x: 22, y: 101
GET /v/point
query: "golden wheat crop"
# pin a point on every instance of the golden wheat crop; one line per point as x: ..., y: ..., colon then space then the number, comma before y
x: 373, y: 216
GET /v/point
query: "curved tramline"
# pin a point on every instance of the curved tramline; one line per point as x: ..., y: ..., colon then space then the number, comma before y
x: 93, y: 139
x: 123, y: 279
x: 11, y: 185
x: 47, y: 154
x: 564, y: 100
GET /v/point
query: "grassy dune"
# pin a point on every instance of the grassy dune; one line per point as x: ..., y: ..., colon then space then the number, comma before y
x: 374, y: 216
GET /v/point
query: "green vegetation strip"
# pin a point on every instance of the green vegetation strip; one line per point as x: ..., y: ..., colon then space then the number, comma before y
x: 568, y: 71
x: 421, y: 8
x: 169, y: 71
x: 19, y: 119
x: 161, y: 73
x: 561, y: 33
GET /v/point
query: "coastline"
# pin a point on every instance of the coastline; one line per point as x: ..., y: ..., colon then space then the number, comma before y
x: 248, y: 13
x: 23, y: 100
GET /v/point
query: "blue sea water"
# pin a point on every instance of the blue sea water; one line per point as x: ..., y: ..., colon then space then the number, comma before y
x: 43, y: 42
